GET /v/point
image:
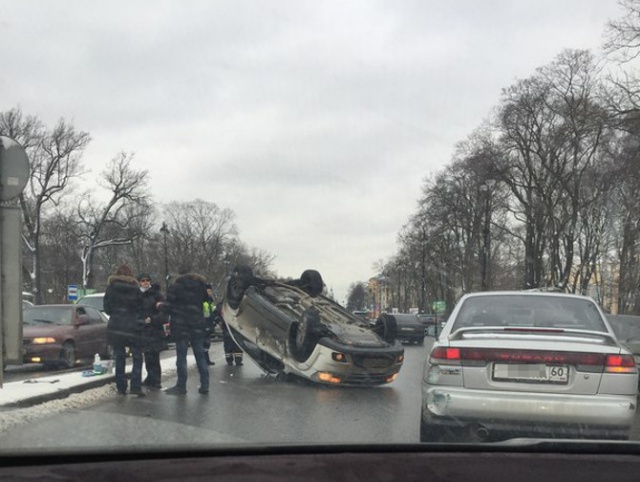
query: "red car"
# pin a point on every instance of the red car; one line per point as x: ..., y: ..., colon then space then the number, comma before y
x: 62, y: 335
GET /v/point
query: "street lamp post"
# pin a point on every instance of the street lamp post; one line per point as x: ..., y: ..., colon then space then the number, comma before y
x: 165, y: 230
x: 381, y: 285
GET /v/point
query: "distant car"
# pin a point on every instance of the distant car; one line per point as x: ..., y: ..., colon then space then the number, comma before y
x: 526, y: 363
x: 432, y: 322
x: 289, y: 327
x: 627, y: 329
x: 61, y: 335
x: 410, y: 329
x: 95, y: 300
x: 362, y: 314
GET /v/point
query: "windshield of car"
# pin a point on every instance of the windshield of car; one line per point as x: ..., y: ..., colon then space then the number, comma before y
x: 56, y: 315
x: 529, y: 311
x: 289, y: 208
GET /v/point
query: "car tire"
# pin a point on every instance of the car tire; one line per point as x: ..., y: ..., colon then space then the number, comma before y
x: 304, y: 334
x: 312, y: 282
x: 387, y: 327
x: 241, y: 278
x: 68, y: 355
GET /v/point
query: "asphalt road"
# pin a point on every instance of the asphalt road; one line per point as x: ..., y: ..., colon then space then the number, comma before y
x: 244, y: 407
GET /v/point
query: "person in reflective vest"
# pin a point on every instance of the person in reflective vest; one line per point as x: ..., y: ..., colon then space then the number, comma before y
x: 232, y: 351
x: 210, y: 324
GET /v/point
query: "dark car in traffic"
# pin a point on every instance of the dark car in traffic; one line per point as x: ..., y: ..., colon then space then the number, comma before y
x: 410, y: 329
x: 289, y: 327
x: 62, y: 335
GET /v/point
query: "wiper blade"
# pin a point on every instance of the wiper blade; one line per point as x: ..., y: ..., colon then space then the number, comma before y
x: 38, y: 320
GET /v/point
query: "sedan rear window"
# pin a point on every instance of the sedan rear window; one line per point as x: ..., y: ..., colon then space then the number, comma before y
x: 530, y: 311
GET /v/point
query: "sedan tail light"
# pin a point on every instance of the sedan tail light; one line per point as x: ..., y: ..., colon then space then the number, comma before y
x: 588, y: 362
x: 620, y: 364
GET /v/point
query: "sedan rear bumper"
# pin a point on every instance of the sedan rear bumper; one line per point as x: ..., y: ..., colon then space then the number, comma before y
x: 361, y: 366
x: 516, y: 408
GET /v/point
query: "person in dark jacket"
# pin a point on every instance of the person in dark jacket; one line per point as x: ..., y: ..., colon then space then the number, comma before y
x: 232, y: 351
x: 185, y: 298
x: 123, y: 304
x: 153, y: 335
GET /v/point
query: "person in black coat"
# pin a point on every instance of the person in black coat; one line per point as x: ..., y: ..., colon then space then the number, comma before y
x: 185, y: 299
x: 123, y: 304
x: 153, y: 335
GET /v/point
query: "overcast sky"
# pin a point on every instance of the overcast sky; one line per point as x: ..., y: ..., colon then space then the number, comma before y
x: 316, y: 122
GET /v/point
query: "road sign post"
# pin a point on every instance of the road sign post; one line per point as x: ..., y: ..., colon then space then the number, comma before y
x: 14, y: 174
x: 72, y: 293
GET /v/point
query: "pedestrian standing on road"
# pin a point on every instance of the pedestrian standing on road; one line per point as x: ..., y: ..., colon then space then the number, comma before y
x: 123, y: 304
x: 232, y: 351
x: 210, y: 324
x: 185, y: 298
x: 153, y: 335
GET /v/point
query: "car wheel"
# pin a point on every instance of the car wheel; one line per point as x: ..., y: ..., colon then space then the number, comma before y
x: 387, y: 328
x: 304, y: 334
x: 68, y: 355
x: 312, y: 282
x: 240, y: 280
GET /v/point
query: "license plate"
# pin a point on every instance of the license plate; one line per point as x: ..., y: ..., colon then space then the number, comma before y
x: 531, y: 372
x: 375, y: 362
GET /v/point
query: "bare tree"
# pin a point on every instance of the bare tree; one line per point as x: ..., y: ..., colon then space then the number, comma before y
x: 356, y: 296
x: 623, y: 34
x: 55, y: 159
x: 115, y: 222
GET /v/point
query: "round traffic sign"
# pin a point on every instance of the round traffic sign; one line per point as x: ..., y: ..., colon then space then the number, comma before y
x: 14, y: 168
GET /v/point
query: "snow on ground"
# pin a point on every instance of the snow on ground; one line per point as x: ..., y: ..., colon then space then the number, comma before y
x: 75, y: 401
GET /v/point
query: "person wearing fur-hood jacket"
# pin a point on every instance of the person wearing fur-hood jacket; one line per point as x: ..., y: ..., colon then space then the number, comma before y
x: 185, y: 298
x: 123, y: 304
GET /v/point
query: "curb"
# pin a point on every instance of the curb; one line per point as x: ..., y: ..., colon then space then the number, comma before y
x: 59, y: 394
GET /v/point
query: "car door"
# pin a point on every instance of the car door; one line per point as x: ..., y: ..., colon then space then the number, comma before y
x: 97, y: 331
x: 82, y: 332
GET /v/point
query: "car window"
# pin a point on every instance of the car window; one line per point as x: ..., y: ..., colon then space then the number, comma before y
x: 94, y: 316
x: 529, y: 311
x: 95, y: 301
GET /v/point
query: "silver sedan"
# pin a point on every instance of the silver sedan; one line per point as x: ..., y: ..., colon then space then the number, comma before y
x: 533, y: 364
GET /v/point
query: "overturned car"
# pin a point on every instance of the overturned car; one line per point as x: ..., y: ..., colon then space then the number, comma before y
x: 289, y: 327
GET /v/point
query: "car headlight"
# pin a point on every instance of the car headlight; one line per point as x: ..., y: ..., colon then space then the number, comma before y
x: 328, y: 377
x: 339, y: 357
x: 43, y: 340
